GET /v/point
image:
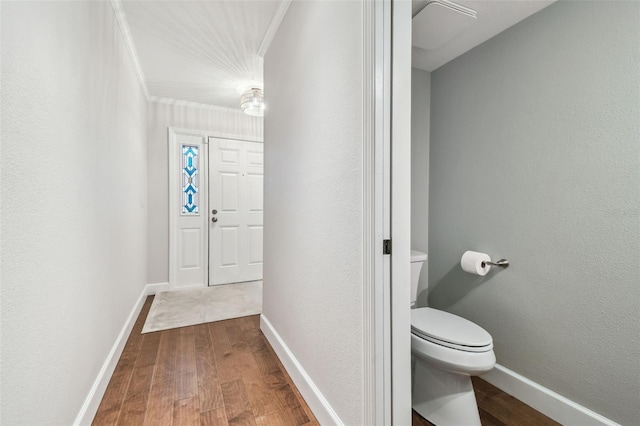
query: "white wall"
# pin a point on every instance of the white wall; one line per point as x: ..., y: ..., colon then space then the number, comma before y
x: 313, y: 196
x: 74, y: 178
x: 535, y: 157
x: 420, y: 127
x: 160, y: 116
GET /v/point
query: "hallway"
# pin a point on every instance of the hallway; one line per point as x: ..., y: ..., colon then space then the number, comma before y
x: 218, y: 373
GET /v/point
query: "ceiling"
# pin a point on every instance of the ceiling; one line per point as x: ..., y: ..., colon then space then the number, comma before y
x: 493, y: 17
x: 201, y: 51
x: 209, y: 51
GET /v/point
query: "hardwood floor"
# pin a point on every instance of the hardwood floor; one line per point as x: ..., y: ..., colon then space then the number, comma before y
x: 226, y: 373
x: 498, y: 409
x: 220, y: 373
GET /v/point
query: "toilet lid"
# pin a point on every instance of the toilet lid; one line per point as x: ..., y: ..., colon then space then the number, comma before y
x: 449, y: 330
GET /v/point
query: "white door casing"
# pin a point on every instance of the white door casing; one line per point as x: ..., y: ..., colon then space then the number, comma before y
x: 236, y: 196
x: 188, y: 206
x: 401, y: 212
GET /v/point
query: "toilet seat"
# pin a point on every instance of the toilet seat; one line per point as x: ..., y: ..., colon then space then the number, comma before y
x: 448, y: 330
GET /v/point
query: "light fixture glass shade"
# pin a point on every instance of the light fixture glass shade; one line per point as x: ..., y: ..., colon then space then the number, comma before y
x: 252, y: 102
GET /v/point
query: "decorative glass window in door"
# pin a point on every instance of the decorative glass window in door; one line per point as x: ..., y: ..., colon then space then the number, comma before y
x: 190, y: 181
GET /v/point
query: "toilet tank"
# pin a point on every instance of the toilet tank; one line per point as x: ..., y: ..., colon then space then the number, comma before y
x: 417, y: 259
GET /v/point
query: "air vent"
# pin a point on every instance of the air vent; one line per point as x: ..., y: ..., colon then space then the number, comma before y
x: 439, y: 22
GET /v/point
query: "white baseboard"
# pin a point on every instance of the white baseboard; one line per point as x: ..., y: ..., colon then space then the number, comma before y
x: 93, y: 399
x: 545, y: 400
x: 315, y: 400
x: 155, y: 288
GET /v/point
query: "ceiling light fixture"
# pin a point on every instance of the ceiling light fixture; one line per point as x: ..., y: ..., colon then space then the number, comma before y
x: 252, y: 102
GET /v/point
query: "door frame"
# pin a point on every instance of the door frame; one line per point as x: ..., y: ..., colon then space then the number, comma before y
x: 400, y: 175
x: 387, y: 212
x: 377, y: 404
x: 172, y: 146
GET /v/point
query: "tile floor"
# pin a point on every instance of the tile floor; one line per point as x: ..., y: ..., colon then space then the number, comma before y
x: 173, y: 309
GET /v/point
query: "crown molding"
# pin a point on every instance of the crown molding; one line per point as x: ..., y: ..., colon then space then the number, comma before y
x: 189, y: 104
x: 273, y: 27
x: 128, y: 41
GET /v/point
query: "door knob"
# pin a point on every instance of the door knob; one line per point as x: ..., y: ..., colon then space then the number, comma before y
x: 214, y: 211
x: 214, y: 219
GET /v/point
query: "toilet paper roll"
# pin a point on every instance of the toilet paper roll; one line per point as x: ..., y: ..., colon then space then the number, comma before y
x: 472, y: 262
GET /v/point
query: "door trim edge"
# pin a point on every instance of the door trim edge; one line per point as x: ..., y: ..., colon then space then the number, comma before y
x: 376, y: 383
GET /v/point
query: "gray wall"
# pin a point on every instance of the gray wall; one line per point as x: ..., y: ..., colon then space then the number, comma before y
x: 313, y: 215
x: 420, y: 121
x: 535, y: 157
x: 73, y: 194
x: 160, y: 116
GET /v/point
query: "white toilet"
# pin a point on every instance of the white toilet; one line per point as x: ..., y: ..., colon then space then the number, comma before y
x: 447, y: 350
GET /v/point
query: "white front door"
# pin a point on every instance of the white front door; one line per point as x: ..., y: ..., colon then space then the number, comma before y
x: 235, y: 211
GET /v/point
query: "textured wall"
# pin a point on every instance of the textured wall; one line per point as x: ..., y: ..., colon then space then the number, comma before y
x: 313, y: 196
x: 160, y: 116
x: 74, y: 224
x: 535, y: 157
x: 420, y: 123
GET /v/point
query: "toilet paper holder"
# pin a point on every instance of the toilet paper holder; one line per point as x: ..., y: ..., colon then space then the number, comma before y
x: 503, y: 263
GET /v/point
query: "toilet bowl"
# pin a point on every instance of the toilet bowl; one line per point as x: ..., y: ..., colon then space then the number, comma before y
x: 446, y: 351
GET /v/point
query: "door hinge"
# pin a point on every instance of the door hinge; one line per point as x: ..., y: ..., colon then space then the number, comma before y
x: 386, y: 247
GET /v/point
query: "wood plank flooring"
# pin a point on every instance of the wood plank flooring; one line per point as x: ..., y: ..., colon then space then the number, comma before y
x: 498, y: 408
x: 220, y: 373
x: 226, y: 373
